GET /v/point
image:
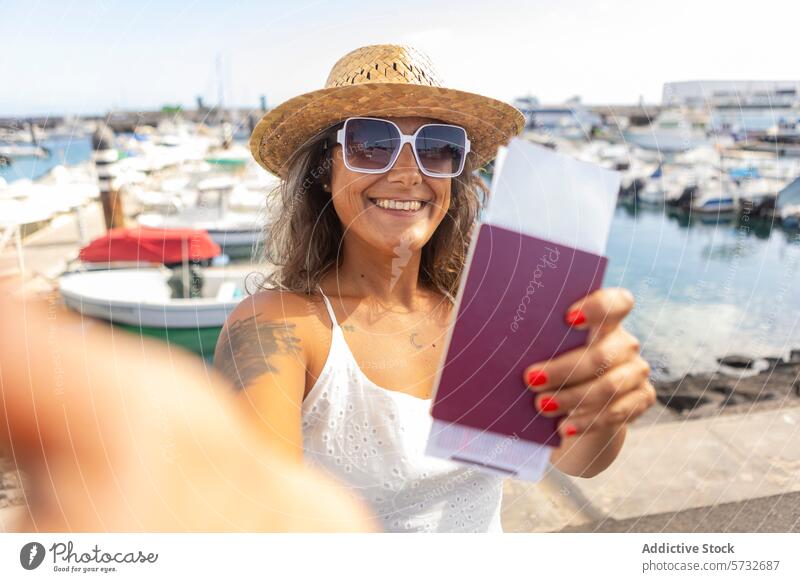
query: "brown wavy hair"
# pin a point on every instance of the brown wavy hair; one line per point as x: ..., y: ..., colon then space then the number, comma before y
x: 304, y: 235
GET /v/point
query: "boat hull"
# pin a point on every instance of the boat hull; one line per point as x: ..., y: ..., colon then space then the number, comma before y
x: 664, y: 142
x: 715, y: 206
x: 237, y: 244
x: 147, y: 315
x: 140, y: 300
x: 201, y: 341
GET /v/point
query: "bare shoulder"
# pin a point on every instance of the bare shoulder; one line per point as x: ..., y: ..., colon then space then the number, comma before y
x: 273, y: 304
x: 263, y: 329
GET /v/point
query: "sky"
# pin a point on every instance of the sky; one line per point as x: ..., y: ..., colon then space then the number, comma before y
x: 92, y: 56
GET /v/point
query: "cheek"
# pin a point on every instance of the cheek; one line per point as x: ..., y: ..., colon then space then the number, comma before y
x: 346, y: 188
x: 443, y: 198
x: 347, y: 191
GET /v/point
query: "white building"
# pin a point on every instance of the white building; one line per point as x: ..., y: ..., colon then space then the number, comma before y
x: 739, y: 107
x: 732, y: 93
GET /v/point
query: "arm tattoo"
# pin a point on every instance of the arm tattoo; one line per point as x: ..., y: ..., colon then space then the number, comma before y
x: 244, y: 348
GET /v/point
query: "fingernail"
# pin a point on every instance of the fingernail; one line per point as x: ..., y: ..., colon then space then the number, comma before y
x: 548, y: 404
x: 575, y: 317
x: 570, y: 430
x: 537, y: 377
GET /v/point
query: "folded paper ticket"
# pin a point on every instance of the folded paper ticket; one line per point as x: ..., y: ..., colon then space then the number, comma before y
x: 539, y: 248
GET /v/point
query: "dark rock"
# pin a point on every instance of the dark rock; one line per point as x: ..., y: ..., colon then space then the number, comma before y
x: 769, y: 383
x: 736, y: 361
x: 682, y: 402
x: 774, y: 362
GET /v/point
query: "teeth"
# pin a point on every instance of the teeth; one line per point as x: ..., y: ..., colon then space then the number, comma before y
x: 409, y: 205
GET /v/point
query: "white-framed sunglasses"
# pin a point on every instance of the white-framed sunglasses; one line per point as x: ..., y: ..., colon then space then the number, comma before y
x: 372, y: 145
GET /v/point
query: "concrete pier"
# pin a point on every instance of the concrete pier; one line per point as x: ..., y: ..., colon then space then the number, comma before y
x: 727, y: 473
x: 48, y: 251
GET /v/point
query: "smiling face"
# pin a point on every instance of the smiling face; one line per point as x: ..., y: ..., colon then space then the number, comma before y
x: 401, y: 207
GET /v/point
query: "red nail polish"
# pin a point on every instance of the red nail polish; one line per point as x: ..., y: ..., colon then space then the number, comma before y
x: 537, y: 377
x: 575, y: 317
x: 548, y: 404
x: 570, y: 431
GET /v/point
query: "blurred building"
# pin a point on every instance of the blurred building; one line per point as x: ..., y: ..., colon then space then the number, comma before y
x: 732, y: 93
x: 738, y: 107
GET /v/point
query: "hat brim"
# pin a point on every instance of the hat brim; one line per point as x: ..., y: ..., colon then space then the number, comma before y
x: 489, y: 123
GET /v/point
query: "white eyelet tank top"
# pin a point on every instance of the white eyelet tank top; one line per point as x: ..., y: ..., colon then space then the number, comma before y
x: 373, y: 440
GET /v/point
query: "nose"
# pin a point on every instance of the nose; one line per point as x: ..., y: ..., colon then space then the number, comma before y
x: 405, y: 170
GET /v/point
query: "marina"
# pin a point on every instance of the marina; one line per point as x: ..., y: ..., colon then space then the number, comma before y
x: 706, y: 234
x: 713, y: 209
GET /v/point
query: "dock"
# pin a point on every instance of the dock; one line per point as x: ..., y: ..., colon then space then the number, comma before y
x: 729, y: 473
x: 48, y: 251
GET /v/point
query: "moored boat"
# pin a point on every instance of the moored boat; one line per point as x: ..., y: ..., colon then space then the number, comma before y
x: 148, y: 301
x: 788, y: 205
x: 671, y: 131
x: 237, y: 233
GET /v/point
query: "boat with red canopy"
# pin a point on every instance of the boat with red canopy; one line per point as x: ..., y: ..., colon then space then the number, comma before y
x: 151, y: 245
x: 155, y: 282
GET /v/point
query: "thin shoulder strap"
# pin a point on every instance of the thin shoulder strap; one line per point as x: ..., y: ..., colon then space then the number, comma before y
x: 329, y: 308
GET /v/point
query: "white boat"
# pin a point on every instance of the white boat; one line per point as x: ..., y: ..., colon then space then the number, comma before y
x: 672, y: 131
x: 163, y: 151
x: 50, y: 198
x: 143, y: 300
x: 18, y: 151
x: 237, y: 233
x: 180, y: 190
x: 788, y: 205
x: 757, y: 189
x: 764, y: 165
x: 244, y: 199
x: 163, y: 200
x: 660, y: 188
x: 671, y: 181
x: 143, y: 296
x: 714, y: 196
x: 780, y: 140
x: 703, y: 155
x: 235, y: 156
x: 220, y: 183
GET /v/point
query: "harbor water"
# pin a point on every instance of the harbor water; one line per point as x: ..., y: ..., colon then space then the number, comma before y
x: 65, y: 151
x: 706, y: 287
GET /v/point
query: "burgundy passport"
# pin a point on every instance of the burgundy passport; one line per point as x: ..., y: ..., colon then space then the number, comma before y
x: 511, y: 316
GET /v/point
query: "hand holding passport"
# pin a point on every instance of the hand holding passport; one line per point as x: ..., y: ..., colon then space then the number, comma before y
x: 539, y: 248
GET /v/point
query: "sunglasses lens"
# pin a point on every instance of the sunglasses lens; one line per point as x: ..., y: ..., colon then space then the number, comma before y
x: 441, y: 148
x: 370, y: 143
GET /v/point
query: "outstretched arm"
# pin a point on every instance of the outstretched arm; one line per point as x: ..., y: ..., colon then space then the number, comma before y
x: 120, y: 433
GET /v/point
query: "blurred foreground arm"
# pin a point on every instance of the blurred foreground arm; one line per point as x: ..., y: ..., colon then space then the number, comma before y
x: 119, y: 433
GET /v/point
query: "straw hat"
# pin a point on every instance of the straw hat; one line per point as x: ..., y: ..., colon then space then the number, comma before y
x: 381, y: 81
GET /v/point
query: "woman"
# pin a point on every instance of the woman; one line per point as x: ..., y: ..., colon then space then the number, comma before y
x: 336, y: 363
